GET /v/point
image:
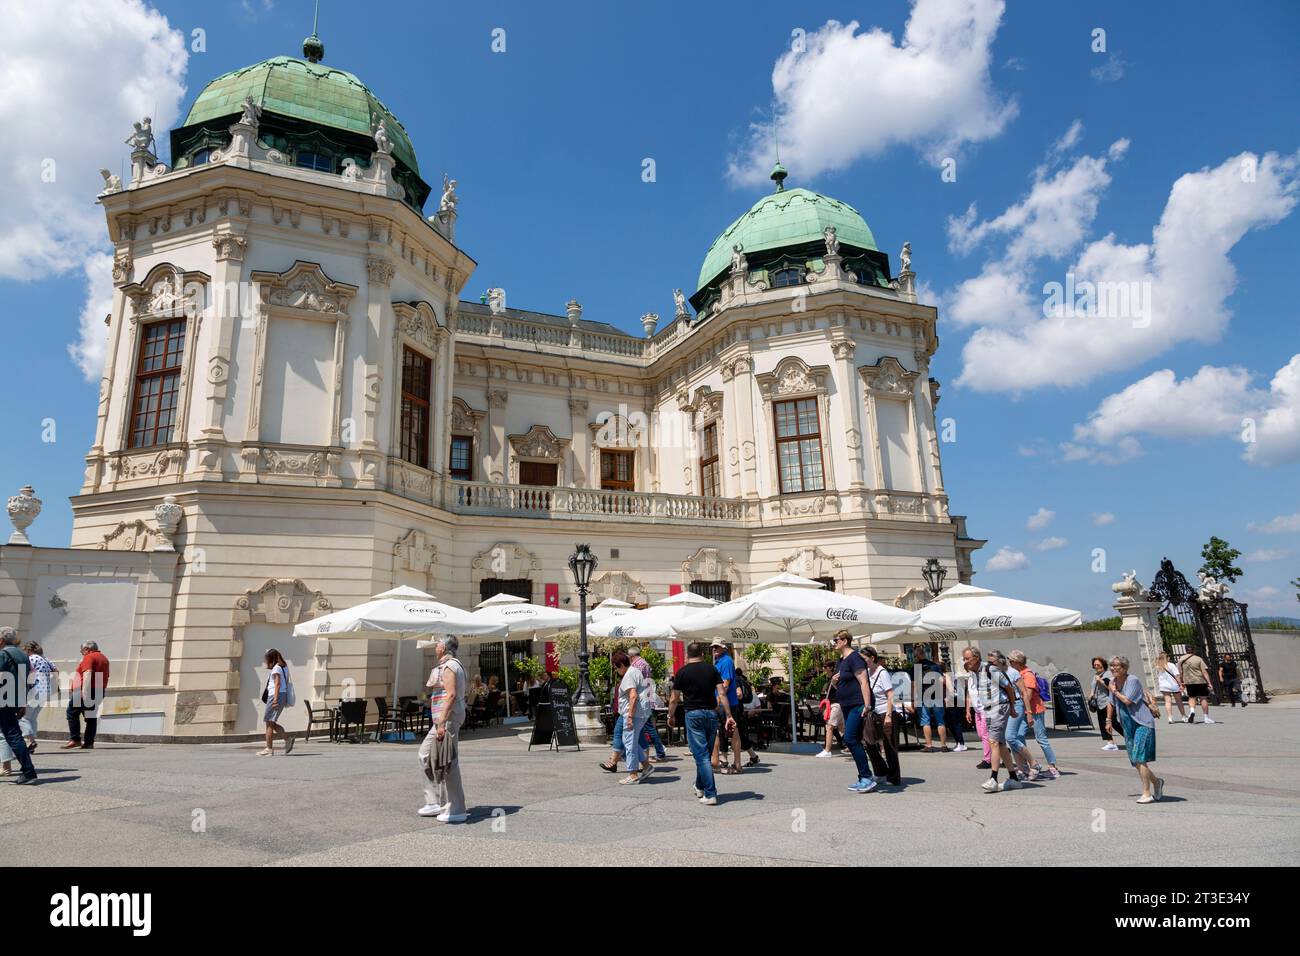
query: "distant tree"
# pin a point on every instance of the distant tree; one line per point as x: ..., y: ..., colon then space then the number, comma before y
x: 1295, y: 583
x: 1218, y: 556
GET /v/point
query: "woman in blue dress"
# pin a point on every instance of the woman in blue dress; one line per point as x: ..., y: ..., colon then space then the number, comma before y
x: 1134, y: 707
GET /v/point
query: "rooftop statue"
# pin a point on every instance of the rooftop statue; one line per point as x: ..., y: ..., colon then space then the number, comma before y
x: 112, y: 183
x: 142, y: 137
x: 449, y: 199
x: 739, y: 264
x: 679, y: 300
x: 252, y: 114
x: 832, y: 243
x: 382, y: 143
x: 905, y: 257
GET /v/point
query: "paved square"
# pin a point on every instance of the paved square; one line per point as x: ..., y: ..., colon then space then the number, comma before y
x: 1233, y: 798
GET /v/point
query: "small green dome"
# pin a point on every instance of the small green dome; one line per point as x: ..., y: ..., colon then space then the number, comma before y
x: 788, y: 217
x: 302, y: 90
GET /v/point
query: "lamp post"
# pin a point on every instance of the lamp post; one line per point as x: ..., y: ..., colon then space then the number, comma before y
x: 934, y: 572
x: 581, y: 564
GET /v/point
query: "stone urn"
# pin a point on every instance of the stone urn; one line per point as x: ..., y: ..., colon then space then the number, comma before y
x: 168, y: 514
x: 23, y: 509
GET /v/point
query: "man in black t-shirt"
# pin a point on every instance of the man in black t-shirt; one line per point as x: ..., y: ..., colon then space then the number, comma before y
x: 1230, y: 680
x: 699, y: 686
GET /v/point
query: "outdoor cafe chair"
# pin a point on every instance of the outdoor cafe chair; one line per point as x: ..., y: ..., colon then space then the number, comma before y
x: 319, y: 715
x: 350, y: 713
x: 389, y: 719
x: 417, y: 720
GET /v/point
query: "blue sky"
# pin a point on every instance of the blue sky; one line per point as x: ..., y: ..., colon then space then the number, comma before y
x: 1057, y: 146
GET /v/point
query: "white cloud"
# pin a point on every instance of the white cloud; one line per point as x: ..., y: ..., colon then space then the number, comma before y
x: 1111, y: 70
x: 1265, y: 555
x: 92, y: 344
x: 73, y: 77
x: 1007, y: 560
x: 1146, y: 298
x: 1103, y: 518
x: 851, y: 94
x: 1040, y: 519
x: 1051, y: 544
x: 1213, y: 403
x: 1282, y: 524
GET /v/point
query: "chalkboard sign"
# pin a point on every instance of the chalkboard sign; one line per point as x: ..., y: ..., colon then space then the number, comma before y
x: 553, y: 719
x: 1069, y: 707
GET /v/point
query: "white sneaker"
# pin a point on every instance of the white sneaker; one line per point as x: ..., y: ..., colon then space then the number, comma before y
x: 990, y: 785
x: 1209, y: 720
x: 709, y: 801
x: 1171, y: 719
x: 699, y: 794
x: 448, y: 817
x: 430, y: 810
x: 265, y: 752
x: 960, y: 748
x: 1012, y: 784
x: 824, y: 753
x: 1113, y: 747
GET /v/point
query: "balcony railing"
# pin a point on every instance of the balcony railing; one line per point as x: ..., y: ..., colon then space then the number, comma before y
x: 489, y: 498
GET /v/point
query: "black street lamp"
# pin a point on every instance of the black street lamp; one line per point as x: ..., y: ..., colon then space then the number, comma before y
x: 582, y: 563
x: 934, y: 573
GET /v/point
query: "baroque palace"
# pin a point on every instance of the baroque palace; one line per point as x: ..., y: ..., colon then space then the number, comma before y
x: 298, y: 411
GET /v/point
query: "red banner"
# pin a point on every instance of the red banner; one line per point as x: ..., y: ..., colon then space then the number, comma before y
x: 679, y: 647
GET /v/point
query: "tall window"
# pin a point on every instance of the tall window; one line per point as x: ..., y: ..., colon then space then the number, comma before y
x: 462, y: 465
x: 417, y: 378
x: 798, y: 445
x: 157, y: 383
x: 710, y: 471
x: 616, y: 470
x: 717, y: 590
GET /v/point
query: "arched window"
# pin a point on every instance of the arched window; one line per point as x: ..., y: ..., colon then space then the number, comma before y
x: 200, y: 157
x: 786, y: 277
x: 307, y: 159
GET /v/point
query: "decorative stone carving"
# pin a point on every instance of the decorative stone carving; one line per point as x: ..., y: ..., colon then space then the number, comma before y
x: 308, y: 464
x: 414, y: 552
x: 679, y: 305
x: 497, y: 397
x: 418, y: 323
x: 812, y: 562
x: 844, y: 349
x: 539, y: 442
x: 229, y: 247
x: 280, y: 601
x: 913, y: 599
x: 379, y: 270
x: 1210, y: 589
x: 141, y: 137
x: 304, y: 286
x: 252, y: 114
x: 1130, y: 589
x: 793, y: 377
x: 707, y: 405
x: 168, y: 515
x: 888, y: 378
x: 710, y: 564
x: 905, y: 258
x: 648, y: 323
x: 146, y: 465
x: 130, y: 536
x: 798, y: 507
x: 496, y: 300
x: 739, y: 264
x: 447, y: 204
x: 618, y: 585
x: 383, y: 144
x: 23, y: 509
x: 218, y: 369
x: 464, y: 420
x: 902, y: 504
x: 123, y: 267
x: 504, y: 560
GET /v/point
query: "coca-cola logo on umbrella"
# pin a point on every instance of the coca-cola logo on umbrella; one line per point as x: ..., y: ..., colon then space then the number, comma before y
x: 744, y: 634
x: 623, y: 630
x: 841, y: 614
x: 1002, y: 620
x: 424, y: 610
x: 519, y: 612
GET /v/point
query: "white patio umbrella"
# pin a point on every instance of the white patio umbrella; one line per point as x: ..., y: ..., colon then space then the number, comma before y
x: 610, y: 607
x: 965, y: 612
x: 400, y: 614
x: 787, y: 607
x: 656, y: 623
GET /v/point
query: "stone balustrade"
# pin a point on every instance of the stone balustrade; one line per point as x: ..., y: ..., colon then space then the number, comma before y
x: 490, y: 498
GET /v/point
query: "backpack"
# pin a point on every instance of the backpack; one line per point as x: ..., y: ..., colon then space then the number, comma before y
x: 1044, y: 689
x: 744, y: 688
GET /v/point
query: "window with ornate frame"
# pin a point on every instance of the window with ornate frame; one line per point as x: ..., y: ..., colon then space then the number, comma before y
x: 798, y: 446
x: 461, y: 458
x: 617, y: 470
x: 541, y: 473
x: 710, y: 466
x: 417, y: 384
x: 156, y: 393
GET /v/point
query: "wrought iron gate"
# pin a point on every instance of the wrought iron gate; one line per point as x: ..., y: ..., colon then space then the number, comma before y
x: 1212, y: 625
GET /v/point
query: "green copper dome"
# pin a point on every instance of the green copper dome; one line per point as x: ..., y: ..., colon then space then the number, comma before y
x: 310, y: 92
x: 786, y: 218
